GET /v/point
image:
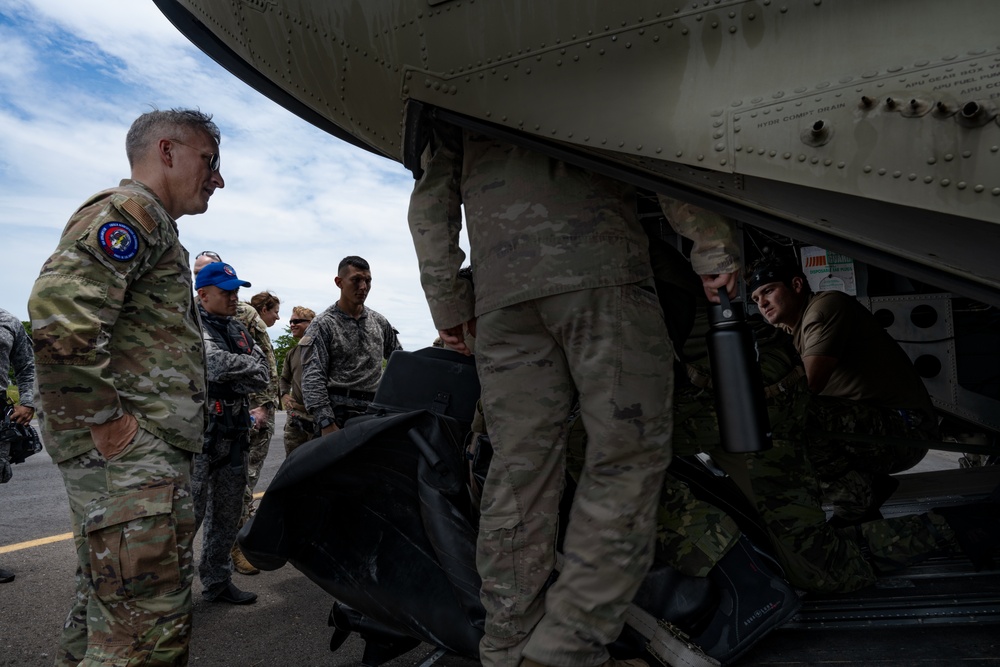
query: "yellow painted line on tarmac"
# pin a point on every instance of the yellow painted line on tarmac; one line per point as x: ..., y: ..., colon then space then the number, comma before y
x: 35, y: 543
x: 41, y: 541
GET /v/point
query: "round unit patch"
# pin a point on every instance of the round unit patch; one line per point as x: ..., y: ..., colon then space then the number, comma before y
x: 118, y: 240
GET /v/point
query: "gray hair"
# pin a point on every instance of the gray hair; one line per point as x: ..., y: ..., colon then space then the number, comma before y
x: 156, y: 124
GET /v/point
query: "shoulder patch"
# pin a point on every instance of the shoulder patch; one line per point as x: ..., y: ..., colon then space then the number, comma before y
x: 118, y: 241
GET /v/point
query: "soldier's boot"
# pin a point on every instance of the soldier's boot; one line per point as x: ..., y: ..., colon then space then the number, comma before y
x: 610, y: 662
x: 6, y: 576
x: 883, y: 486
x: 754, y: 600
x: 977, y: 530
x: 228, y: 593
x: 240, y: 562
x: 382, y: 643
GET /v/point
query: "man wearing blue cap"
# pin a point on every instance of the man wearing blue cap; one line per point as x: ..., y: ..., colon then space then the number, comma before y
x: 235, y: 368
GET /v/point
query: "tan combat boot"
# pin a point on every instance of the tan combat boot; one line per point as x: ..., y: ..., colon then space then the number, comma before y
x: 240, y: 562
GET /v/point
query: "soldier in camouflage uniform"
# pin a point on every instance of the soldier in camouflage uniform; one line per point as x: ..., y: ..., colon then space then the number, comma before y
x: 863, y: 382
x: 121, y: 389
x: 343, y: 350
x: 787, y: 482
x: 236, y: 367
x: 783, y: 485
x: 257, y: 316
x: 15, y: 352
x: 298, y: 423
x: 563, y: 306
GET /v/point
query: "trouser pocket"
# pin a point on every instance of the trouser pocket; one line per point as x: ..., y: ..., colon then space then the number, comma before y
x: 132, y: 540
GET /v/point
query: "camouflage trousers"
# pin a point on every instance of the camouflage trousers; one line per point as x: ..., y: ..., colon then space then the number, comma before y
x: 785, y: 488
x: 691, y: 534
x: 133, y: 527
x: 608, y: 346
x: 818, y: 557
x: 846, y: 469
x: 218, y: 498
x: 260, y: 442
x: 297, y: 432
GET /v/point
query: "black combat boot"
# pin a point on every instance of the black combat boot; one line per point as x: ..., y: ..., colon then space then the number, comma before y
x: 228, y: 593
x: 685, y: 601
x: 6, y: 576
x: 382, y: 643
x: 883, y: 486
x: 753, y: 600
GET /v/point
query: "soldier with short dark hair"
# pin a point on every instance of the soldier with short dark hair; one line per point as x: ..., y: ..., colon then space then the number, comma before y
x: 121, y: 386
x: 343, y: 350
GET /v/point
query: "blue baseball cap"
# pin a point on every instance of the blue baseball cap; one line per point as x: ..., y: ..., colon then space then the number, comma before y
x: 221, y: 275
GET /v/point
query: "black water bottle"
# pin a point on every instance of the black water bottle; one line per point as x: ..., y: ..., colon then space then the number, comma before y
x: 736, y: 379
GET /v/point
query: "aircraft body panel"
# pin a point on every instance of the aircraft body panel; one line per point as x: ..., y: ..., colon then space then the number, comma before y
x: 759, y: 104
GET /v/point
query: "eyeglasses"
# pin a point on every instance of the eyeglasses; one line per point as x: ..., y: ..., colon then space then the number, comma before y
x: 214, y: 160
x: 298, y: 321
x: 208, y: 253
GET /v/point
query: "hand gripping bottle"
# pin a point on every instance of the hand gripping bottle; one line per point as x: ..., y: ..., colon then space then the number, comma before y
x: 736, y: 379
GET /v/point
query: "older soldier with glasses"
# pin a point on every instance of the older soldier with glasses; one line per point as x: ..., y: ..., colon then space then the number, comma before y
x: 120, y: 372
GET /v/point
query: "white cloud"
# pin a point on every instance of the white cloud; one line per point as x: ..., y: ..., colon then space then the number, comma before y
x: 74, y: 75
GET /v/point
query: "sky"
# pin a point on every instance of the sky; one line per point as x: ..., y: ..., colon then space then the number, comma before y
x: 73, y: 77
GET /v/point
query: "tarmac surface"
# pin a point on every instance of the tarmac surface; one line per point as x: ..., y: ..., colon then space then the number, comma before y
x: 288, y: 624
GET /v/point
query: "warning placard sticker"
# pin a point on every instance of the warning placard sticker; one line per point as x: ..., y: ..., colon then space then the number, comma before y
x: 826, y: 270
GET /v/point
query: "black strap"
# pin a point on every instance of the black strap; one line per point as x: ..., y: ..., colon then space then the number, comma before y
x: 352, y: 393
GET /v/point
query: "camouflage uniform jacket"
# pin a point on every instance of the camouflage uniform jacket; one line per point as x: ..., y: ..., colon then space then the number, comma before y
x: 15, y: 352
x: 115, y: 327
x: 291, y: 383
x: 528, y: 234
x: 241, y: 372
x: 248, y: 315
x: 340, y: 352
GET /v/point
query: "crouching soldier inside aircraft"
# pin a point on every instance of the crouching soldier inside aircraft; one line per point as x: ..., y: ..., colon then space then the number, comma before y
x: 235, y: 367
x: 847, y: 390
x: 782, y: 484
x: 863, y: 383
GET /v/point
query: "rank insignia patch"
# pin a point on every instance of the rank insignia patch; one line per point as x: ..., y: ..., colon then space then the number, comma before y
x: 118, y: 240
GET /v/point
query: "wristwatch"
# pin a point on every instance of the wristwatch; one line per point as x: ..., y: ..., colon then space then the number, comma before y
x: 326, y: 421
